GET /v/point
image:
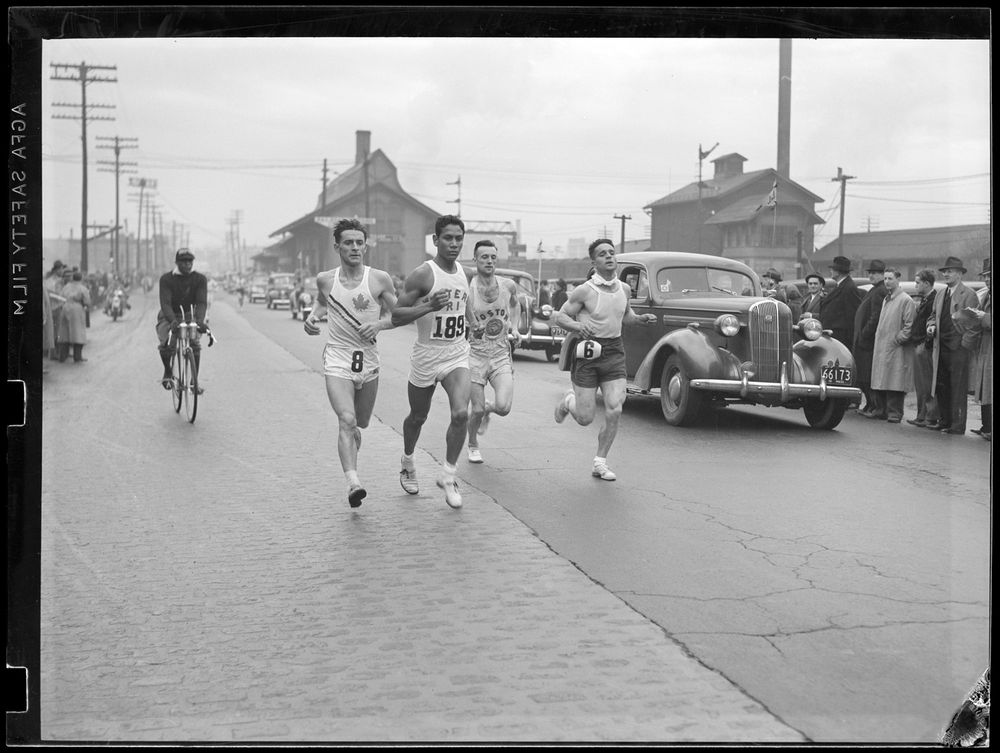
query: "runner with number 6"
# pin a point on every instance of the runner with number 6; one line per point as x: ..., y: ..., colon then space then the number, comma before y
x: 596, y: 310
x: 357, y: 302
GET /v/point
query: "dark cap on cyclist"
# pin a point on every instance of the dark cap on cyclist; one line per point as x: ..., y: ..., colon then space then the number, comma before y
x: 184, y: 254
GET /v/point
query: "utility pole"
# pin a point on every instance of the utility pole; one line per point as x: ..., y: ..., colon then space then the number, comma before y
x: 119, y: 143
x: 843, y: 191
x: 235, y: 218
x: 323, y: 203
x: 458, y: 201
x: 701, y: 156
x: 622, y: 217
x: 63, y: 72
x: 142, y: 184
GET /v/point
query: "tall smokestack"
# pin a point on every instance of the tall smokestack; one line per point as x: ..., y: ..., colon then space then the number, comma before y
x: 784, y: 106
x: 364, y: 145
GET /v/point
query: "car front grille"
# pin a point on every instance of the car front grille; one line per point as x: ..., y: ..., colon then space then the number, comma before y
x: 770, y: 339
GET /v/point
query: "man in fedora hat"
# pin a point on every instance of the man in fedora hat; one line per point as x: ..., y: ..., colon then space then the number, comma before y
x: 949, y: 327
x: 815, y: 286
x: 865, y: 326
x: 840, y: 304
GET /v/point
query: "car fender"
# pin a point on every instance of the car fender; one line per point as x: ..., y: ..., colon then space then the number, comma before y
x: 701, y: 358
x: 812, y: 355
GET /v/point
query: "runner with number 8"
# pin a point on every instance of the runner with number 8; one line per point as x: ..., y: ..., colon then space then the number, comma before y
x: 357, y: 302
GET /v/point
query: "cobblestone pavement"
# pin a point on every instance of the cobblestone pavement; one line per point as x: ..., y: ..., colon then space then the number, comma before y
x: 209, y: 582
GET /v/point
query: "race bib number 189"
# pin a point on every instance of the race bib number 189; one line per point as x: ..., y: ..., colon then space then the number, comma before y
x: 448, y: 327
x: 588, y: 350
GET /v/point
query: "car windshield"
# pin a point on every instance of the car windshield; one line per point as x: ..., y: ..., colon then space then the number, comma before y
x: 677, y: 282
x: 525, y: 283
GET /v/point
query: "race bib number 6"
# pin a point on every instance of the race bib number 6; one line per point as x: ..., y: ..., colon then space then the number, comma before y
x: 588, y: 350
x: 448, y: 327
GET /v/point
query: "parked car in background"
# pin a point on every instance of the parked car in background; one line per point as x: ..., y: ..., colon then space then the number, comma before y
x: 717, y: 341
x: 257, y: 289
x: 536, y: 327
x: 303, y: 295
x: 279, y: 289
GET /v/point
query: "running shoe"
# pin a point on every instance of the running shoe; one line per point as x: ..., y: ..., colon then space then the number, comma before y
x: 484, y: 424
x: 474, y: 455
x: 602, y: 471
x: 408, y: 480
x: 451, y: 495
x: 355, y: 495
x: 561, y: 408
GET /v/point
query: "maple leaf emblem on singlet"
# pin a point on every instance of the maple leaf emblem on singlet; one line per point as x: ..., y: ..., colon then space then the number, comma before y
x: 360, y: 303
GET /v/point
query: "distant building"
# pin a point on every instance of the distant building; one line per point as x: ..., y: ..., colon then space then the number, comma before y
x: 909, y: 250
x: 398, y: 224
x: 759, y: 218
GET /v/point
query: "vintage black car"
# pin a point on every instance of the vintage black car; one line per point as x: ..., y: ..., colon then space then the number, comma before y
x: 538, y: 332
x: 717, y: 340
x: 279, y: 289
x: 257, y: 289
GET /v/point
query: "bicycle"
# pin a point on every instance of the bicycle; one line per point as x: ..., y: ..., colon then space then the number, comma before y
x: 185, y: 389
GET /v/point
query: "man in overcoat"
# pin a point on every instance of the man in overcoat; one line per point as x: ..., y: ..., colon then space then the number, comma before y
x: 840, y: 304
x: 893, y: 360
x: 951, y: 360
x: 865, y: 324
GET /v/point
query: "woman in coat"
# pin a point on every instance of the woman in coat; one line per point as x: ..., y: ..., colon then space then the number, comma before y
x: 982, y: 378
x: 893, y: 354
x: 73, y: 325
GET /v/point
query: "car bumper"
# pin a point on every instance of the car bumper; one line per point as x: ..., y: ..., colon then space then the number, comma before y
x: 784, y: 390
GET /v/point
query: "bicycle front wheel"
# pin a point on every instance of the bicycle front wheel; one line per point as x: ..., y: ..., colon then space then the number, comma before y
x: 191, y: 388
x: 179, y: 379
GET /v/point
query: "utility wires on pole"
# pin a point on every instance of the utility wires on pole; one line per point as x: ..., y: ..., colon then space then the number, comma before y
x: 82, y: 74
x: 843, y: 191
x: 120, y: 168
x: 142, y: 262
x: 622, y: 217
x: 458, y: 211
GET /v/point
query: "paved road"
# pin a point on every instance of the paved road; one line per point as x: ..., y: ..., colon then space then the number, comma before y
x: 208, y: 582
x: 840, y: 578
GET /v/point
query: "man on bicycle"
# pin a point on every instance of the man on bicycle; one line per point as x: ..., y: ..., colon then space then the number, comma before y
x: 180, y: 289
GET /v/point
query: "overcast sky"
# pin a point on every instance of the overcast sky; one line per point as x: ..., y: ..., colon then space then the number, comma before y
x: 557, y: 134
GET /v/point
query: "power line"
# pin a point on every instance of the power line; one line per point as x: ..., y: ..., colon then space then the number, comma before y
x: 83, y: 76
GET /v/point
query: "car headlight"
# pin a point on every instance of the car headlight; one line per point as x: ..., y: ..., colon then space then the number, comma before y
x: 728, y: 325
x: 546, y: 310
x: 811, y: 329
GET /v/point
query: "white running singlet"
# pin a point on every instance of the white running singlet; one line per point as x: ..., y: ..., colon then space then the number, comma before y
x: 441, y: 345
x: 347, y: 310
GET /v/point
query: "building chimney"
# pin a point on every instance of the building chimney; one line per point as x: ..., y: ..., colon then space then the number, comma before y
x: 784, y: 106
x: 364, y: 145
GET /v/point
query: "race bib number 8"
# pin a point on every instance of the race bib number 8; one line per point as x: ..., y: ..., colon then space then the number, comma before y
x: 448, y: 327
x: 588, y: 350
x: 358, y: 361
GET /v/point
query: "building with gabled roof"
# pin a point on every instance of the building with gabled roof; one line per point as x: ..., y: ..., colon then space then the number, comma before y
x: 398, y: 224
x: 910, y: 250
x: 760, y: 218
